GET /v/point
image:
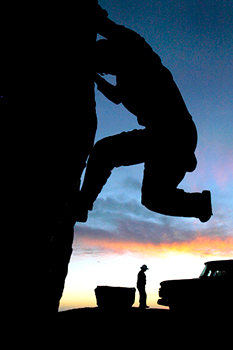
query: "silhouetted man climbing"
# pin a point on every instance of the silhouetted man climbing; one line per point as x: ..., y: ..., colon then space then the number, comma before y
x: 167, y: 144
x: 141, y: 286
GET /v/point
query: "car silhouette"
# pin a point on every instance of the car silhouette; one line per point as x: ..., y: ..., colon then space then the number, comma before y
x: 212, y: 291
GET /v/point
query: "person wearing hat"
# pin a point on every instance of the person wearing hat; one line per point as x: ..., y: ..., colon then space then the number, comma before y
x: 141, y: 286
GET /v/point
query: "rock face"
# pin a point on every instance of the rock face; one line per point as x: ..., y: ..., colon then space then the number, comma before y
x: 117, y: 297
x: 47, y: 108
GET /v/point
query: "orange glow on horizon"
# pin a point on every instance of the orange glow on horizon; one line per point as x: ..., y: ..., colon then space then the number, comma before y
x: 119, y: 261
x: 202, y: 246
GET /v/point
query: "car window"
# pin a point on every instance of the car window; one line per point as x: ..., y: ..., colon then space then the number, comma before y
x: 203, y: 272
x: 211, y: 271
x: 219, y: 273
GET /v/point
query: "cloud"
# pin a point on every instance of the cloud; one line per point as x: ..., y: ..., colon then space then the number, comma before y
x: 122, y: 208
x: 116, y: 225
x: 201, y: 246
x: 131, y: 183
x: 122, y: 221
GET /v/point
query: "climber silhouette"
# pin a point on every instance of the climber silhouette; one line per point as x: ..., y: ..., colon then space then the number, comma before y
x: 166, y: 145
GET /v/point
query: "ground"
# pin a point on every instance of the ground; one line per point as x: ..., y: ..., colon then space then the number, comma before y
x: 135, y: 328
x: 129, y: 327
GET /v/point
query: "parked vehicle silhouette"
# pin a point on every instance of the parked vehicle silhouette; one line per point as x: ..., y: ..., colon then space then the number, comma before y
x: 212, y: 291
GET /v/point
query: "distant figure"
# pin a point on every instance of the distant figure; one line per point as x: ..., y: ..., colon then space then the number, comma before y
x: 141, y: 286
x: 167, y: 143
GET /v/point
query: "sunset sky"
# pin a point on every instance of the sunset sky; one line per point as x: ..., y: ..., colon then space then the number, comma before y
x: 195, y: 41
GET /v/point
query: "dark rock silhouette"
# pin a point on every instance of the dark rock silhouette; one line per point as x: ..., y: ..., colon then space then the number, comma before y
x: 47, y: 109
x: 167, y: 144
x: 115, y: 297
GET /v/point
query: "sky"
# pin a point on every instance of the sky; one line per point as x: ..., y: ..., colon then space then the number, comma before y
x: 195, y: 42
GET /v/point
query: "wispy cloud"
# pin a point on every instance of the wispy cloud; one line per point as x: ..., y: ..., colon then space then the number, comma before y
x: 131, y: 183
x: 116, y: 225
x: 102, y: 243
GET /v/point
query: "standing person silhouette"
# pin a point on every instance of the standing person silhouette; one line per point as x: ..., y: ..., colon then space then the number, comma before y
x: 141, y: 286
x: 166, y: 145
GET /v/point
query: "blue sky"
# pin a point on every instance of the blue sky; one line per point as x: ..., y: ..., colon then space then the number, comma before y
x: 195, y: 41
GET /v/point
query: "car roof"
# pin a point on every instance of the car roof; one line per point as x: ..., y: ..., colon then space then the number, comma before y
x: 220, y: 262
